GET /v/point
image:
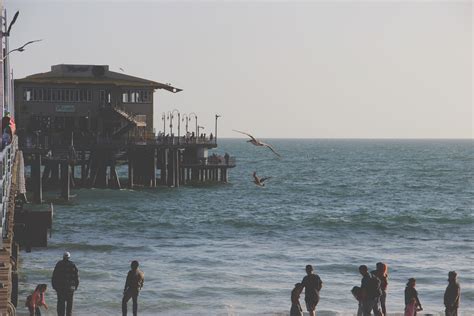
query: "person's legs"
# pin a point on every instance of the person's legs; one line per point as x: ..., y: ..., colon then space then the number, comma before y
x: 311, y: 308
x: 367, y: 307
x: 69, y: 301
x: 37, y: 311
x: 383, y: 298
x: 126, y: 297
x: 61, y: 301
x: 135, y: 304
x: 376, y: 309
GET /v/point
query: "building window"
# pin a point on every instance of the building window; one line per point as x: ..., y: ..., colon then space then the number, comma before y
x: 136, y: 96
x: 57, y: 95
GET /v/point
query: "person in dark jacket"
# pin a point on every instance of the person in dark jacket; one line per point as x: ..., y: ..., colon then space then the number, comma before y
x: 65, y: 281
x: 133, y: 285
x: 312, y: 284
x: 370, y: 292
x: 452, y: 295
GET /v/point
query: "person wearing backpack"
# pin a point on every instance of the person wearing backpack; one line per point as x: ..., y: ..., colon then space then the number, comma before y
x: 381, y: 272
x: 370, y: 292
x: 35, y: 300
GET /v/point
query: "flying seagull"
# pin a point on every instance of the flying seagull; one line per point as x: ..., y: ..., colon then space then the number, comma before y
x: 22, y: 48
x: 256, y: 142
x: 259, y: 181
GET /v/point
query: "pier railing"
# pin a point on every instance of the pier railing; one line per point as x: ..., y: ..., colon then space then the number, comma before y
x: 7, y: 157
x: 45, y: 142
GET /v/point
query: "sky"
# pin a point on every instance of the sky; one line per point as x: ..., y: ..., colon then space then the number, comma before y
x: 312, y: 69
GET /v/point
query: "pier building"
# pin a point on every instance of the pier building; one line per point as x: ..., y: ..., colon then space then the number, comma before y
x: 78, y: 123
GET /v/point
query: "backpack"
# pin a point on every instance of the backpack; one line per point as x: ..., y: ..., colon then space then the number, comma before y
x: 373, y: 289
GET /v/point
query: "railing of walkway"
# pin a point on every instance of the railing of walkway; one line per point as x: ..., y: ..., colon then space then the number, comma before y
x: 7, y: 157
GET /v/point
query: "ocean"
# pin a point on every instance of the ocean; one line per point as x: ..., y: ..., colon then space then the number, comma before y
x: 238, y: 249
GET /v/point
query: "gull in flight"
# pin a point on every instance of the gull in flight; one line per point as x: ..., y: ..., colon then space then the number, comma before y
x: 22, y: 48
x: 259, y: 181
x: 256, y: 142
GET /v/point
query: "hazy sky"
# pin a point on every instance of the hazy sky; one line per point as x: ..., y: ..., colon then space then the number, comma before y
x: 317, y: 69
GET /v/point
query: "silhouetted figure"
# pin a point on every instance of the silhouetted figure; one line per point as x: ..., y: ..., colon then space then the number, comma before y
x: 382, y: 273
x: 370, y: 286
x: 133, y: 285
x: 296, y: 309
x: 226, y: 158
x: 312, y: 284
x: 211, y: 137
x: 452, y: 295
x: 412, y: 303
x: 35, y: 300
x: 65, y: 281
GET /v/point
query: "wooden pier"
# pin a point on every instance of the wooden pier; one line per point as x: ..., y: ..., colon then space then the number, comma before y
x: 171, y: 162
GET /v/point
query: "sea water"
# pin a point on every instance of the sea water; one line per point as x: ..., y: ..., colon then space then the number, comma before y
x: 238, y: 249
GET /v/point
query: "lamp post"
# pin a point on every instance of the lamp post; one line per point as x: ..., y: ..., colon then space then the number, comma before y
x: 171, y: 122
x: 186, y: 118
x: 163, y: 117
x: 215, y: 130
x: 196, y: 121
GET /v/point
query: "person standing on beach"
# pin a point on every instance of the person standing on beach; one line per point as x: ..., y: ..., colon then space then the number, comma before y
x: 35, y: 300
x: 312, y: 284
x: 370, y: 292
x: 382, y: 273
x: 133, y: 285
x: 296, y: 309
x: 65, y: 281
x: 412, y: 303
x: 452, y: 295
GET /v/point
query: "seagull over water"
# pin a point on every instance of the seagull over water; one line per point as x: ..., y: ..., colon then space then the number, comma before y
x: 256, y: 142
x: 259, y: 181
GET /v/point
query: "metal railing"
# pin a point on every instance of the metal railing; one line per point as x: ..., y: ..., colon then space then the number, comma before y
x: 7, y: 157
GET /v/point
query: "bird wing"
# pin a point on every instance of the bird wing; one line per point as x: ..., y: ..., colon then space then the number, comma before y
x: 256, y: 177
x: 28, y: 43
x: 265, y: 178
x: 271, y: 148
x: 245, y: 134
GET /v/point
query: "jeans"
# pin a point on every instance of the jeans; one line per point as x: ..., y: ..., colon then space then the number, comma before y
x: 127, y: 295
x: 65, y: 299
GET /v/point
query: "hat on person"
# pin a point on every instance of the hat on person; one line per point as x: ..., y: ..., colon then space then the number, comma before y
x: 66, y: 254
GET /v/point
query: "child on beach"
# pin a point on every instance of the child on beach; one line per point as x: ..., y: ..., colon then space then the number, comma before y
x: 357, y: 293
x: 35, y: 300
x: 412, y: 303
x: 296, y: 309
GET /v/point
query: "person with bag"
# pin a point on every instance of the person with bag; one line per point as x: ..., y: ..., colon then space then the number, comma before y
x: 35, y: 300
x: 412, y: 303
x: 370, y: 288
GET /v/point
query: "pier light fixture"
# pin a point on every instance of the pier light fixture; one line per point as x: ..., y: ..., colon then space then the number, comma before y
x: 9, y: 27
x: 186, y: 119
x: 196, y: 121
x: 163, y: 117
x: 172, y: 115
x: 215, y: 130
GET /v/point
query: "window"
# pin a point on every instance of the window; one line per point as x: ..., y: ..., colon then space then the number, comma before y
x: 136, y: 96
x: 27, y: 94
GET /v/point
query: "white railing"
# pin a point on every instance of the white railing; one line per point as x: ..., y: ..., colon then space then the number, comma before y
x: 7, y: 157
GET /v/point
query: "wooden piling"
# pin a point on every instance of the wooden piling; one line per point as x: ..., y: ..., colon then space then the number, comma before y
x: 37, y: 180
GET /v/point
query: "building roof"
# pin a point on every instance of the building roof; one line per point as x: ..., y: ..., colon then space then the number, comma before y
x: 92, y: 74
